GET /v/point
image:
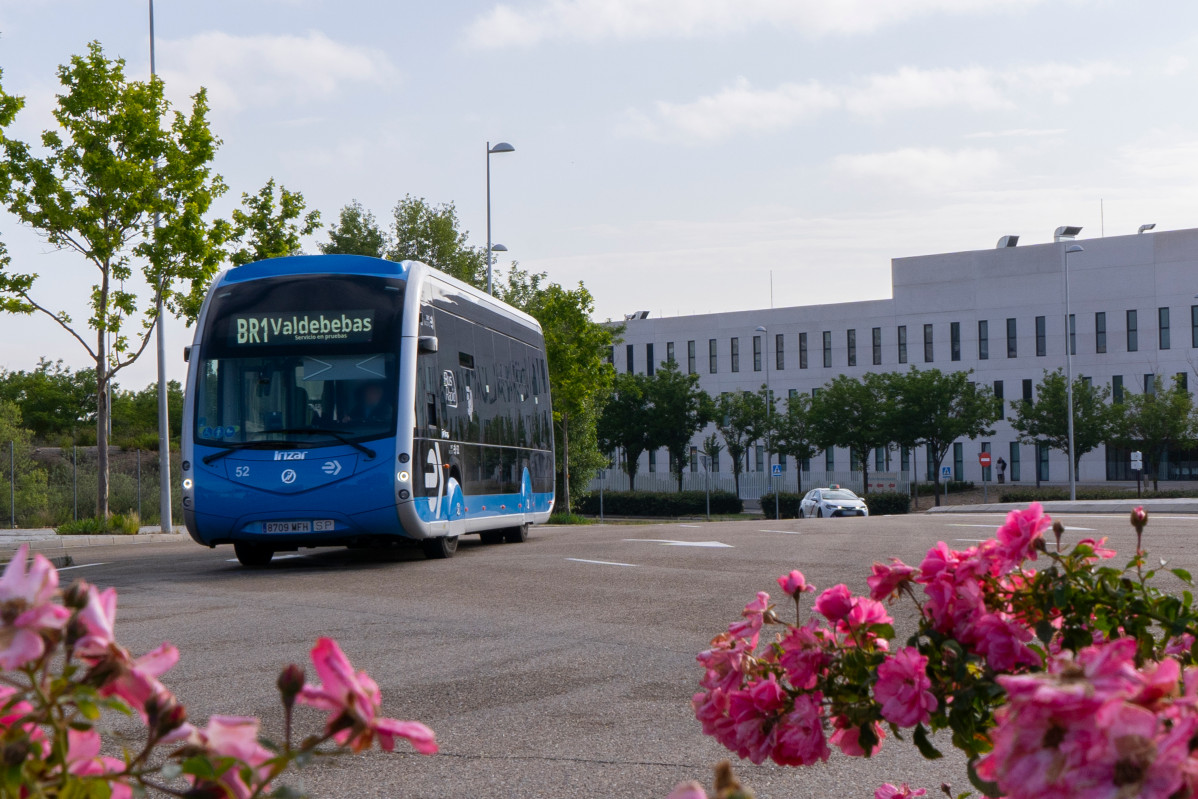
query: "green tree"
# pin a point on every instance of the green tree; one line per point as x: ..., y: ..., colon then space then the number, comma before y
x: 55, y: 402
x: 849, y: 412
x: 622, y: 424
x: 117, y: 161
x: 270, y: 227
x: 941, y: 408
x: 30, y: 488
x: 1157, y: 421
x: 429, y: 233
x: 677, y: 409
x: 740, y: 418
x: 712, y: 446
x: 135, y: 415
x: 796, y: 434
x: 356, y: 233
x: 1046, y: 418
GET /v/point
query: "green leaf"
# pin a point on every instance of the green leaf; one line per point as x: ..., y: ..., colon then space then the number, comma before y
x: 1184, y: 576
x: 924, y: 745
x: 988, y: 788
x: 1045, y: 631
x: 88, y: 709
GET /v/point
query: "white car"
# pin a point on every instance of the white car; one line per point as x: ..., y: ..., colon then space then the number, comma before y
x: 832, y: 501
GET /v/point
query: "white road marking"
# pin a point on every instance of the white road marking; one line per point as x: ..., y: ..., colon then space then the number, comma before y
x: 689, y: 525
x: 669, y: 543
x: 276, y: 557
x: 82, y: 566
x: 784, y: 532
x: 600, y: 562
x: 972, y: 540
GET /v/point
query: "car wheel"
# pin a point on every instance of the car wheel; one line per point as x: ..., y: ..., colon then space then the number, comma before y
x: 516, y: 535
x: 253, y: 556
x: 802, y: 515
x: 440, y: 547
x: 491, y: 536
x: 819, y: 512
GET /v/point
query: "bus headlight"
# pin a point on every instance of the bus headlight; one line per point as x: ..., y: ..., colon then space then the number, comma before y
x: 187, y: 484
x: 403, y: 477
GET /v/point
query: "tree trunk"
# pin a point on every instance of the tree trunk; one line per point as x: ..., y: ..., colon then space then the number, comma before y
x: 566, y: 461
x: 630, y: 466
x: 102, y: 412
x: 865, y: 473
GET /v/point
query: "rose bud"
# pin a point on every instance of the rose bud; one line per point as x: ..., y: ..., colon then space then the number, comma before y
x: 290, y: 683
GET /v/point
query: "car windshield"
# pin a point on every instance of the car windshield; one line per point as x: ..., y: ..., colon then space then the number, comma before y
x: 840, y: 493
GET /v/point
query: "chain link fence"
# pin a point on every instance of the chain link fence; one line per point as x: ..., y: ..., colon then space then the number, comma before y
x: 48, y: 486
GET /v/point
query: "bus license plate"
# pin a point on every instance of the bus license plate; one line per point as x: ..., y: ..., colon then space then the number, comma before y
x: 319, y: 525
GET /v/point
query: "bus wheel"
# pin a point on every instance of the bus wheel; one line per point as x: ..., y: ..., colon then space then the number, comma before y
x: 491, y: 536
x: 516, y: 535
x: 253, y: 556
x: 440, y: 547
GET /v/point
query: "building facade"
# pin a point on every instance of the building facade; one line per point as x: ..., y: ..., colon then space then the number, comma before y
x: 998, y: 312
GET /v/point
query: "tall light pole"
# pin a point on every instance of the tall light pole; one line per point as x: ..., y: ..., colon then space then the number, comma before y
x: 501, y: 147
x: 164, y: 428
x: 1069, y: 249
x: 769, y: 414
x: 494, y: 248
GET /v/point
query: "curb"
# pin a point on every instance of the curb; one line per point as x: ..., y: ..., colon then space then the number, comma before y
x: 65, y: 542
x: 1113, y: 506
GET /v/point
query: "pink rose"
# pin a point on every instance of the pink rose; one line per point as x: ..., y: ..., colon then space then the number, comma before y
x: 903, y: 688
x: 795, y: 583
x: 1018, y: 536
x: 886, y: 580
x: 688, y: 790
x: 29, y: 593
x: 800, y: 737
x: 889, y: 791
x: 835, y: 603
x: 847, y: 737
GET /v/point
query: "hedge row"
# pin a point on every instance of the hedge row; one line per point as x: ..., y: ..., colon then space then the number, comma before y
x: 880, y: 503
x: 953, y: 486
x: 1025, y: 495
x: 659, y: 503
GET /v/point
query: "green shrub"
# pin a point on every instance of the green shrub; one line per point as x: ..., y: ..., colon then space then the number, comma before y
x: 117, y: 524
x: 887, y: 503
x: 659, y: 503
x: 953, y: 486
x: 1047, y: 494
x: 787, y: 504
x: 568, y: 518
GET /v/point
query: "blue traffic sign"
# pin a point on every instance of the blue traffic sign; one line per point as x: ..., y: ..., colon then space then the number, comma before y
x: 776, y: 470
x: 946, y: 473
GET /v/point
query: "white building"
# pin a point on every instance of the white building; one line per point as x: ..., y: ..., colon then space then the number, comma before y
x: 999, y: 312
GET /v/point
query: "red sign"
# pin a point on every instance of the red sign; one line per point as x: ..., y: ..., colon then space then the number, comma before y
x: 984, y: 459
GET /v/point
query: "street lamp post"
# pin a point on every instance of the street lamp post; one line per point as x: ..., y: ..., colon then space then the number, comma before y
x: 501, y: 147
x: 769, y: 416
x: 1068, y: 250
x: 164, y: 429
x: 494, y: 248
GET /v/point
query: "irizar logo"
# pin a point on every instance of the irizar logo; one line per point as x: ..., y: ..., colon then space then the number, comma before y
x: 290, y: 456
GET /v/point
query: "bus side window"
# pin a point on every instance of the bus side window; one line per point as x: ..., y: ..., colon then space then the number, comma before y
x: 431, y: 408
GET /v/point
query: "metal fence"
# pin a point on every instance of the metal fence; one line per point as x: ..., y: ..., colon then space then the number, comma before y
x: 47, y: 486
x: 752, y: 484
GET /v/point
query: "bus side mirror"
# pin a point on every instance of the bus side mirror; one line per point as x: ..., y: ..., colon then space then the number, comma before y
x: 426, y: 344
x: 186, y: 354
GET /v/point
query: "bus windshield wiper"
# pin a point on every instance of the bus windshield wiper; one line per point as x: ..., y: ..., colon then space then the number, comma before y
x: 367, y: 451
x: 229, y: 449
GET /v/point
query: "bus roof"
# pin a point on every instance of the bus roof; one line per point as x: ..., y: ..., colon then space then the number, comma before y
x: 317, y: 265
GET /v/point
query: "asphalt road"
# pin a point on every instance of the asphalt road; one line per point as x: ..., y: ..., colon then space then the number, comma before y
x: 560, y: 667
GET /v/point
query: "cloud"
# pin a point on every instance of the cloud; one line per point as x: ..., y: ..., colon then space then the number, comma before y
x: 742, y: 108
x: 929, y: 169
x: 267, y: 70
x: 1022, y: 133
x: 508, y: 25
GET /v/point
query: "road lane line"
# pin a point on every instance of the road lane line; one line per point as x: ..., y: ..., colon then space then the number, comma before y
x: 276, y: 557
x: 972, y: 540
x: 82, y: 566
x: 667, y: 542
x: 689, y: 525
x: 785, y: 532
x: 600, y: 562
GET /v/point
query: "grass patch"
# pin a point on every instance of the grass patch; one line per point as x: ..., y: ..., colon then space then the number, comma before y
x: 568, y: 518
x: 116, y: 524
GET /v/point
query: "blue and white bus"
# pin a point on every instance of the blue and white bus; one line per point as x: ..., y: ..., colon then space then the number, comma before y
x: 338, y: 400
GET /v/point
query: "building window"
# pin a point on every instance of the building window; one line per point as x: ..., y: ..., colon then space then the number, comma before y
x: 715, y: 462
x: 1042, y: 460
x: 1117, y: 388
x: 827, y: 348
x: 629, y: 355
x: 998, y: 390
x: 829, y: 460
x: 694, y: 459
x: 779, y: 359
x: 877, y: 336
x: 1100, y: 332
x: 756, y: 353
x: 782, y: 462
x: 1162, y: 316
x: 736, y: 354
x: 954, y: 341
x: 986, y: 477
x: 653, y: 460
x: 1073, y: 334
x: 854, y: 461
x: 649, y: 359
x: 1014, y: 464
x: 1194, y: 325
x: 611, y: 355
x: 1012, y: 340
x: 1041, y: 336
x: 927, y: 344
x: 851, y: 343
x: 760, y: 459
x: 1150, y: 384
x: 802, y: 350
x: 690, y: 357
x: 1027, y: 390
x: 1133, y: 333
x: 712, y: 358
x: 670, y: 351
x: 902, y: 344
x: 983, y: 340
x: 958, y: 461
x: 880, y: 459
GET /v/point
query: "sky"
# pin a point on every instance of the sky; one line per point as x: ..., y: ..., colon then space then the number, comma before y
x: 676, y: 156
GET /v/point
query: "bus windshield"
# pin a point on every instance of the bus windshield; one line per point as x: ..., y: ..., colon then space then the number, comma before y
x: 299, y: 362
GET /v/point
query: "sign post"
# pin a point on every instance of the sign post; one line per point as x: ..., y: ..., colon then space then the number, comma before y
x: 984, y: 460
x: 776, y: 471
x: 946, y: 474
x: 1137, y: 466
x: 706, y: 461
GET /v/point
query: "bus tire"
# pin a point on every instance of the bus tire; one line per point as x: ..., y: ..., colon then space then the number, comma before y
x: 492, y: 536
x: 253, y: 556
x: 440, y: 547
x: 516, y: 535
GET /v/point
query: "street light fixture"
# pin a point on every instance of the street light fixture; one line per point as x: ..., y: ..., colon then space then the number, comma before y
x: 1146, y: 228
x: 769, y: 414
x: 1070, y: 249
x: 501, y: 147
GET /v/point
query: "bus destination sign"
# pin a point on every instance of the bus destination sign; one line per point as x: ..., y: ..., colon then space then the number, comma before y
x: 302, y: 328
